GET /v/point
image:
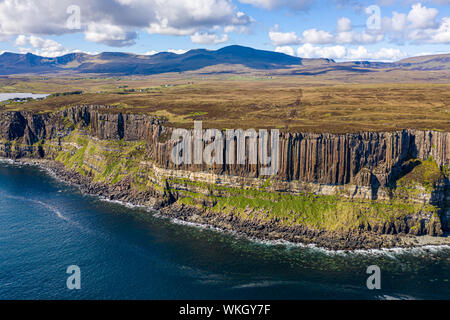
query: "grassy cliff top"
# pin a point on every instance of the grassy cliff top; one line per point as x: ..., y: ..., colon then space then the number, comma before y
x: 287, y: 103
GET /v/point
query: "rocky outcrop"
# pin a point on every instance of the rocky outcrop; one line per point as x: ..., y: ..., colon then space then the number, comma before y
x: 364, y: 165
x: 107, y: 123
x: 364, y: 159
x: 371, y: 159
x: 377, y: 236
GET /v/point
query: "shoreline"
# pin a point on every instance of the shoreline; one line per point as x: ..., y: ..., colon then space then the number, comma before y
x: 258, y: 231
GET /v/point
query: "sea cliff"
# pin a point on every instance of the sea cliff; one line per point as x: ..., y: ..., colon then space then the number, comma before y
x: 339, y: 191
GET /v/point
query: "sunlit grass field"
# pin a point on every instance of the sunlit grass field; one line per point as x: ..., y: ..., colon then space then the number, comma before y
x: 287, y: 103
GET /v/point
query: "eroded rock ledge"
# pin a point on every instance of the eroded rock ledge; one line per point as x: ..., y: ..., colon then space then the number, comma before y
x: 335, y: 187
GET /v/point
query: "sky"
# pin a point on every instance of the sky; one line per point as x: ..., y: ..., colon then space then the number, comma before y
x: 377, y: 30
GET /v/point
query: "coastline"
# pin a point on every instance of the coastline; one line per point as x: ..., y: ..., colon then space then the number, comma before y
x: 271, y: 232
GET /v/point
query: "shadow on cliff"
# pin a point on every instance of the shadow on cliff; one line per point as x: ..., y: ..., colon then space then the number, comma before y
x: 400, y: 171
x: 405, y: 164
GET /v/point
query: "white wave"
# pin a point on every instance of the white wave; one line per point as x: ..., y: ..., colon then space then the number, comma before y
x: 389, y: 252
x: 53, y: 209
x: 195, y: 224
x: 43, y: 204
x: 396, y: 297
x: 7, y: 161
x: 263, y: 284
x: 392, y: 253
x: 122, y: 203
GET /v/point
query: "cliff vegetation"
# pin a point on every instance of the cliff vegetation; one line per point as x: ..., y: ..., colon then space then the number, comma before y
x: 381, y: 182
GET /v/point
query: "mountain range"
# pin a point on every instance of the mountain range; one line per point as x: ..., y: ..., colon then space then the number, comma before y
x: 118, y: 63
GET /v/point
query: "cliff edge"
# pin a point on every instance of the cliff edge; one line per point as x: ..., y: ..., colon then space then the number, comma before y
x: 344, y: 188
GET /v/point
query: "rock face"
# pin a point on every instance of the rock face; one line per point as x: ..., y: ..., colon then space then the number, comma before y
x: 366, y: 161
x: 15, y: 125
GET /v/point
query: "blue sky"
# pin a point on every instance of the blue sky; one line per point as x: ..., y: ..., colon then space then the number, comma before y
x: 337, y: 29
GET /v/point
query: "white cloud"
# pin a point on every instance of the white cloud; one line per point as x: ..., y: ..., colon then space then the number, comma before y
x: 342, y: 53
x: 283, y: 38
x: 308, y: 36
x: 384, y: 54
x: 316, y: 36
x: 208, y: 38
x: 110, y: 34
x: 40, y: 46
x: 186, y: 17
x: 177, y: 51
x: 116, y: 23
x: 239, y: 29
x: 266, y: 4
x: 286, y: 50
x: 442, y: 34
x: 277, y: 4
x: 360, y: 53
x: 398, y: 22
x: 418, y: 26
x: 344, y: 35
x: 389, y: 54
x: 422, y: 17
x: 241, y: 23
x: 28, y: 17
x: 310, y: 51
x: 344, y: 25
x: 163, y: 28
x: 353, y: 37
x: 22, y: 40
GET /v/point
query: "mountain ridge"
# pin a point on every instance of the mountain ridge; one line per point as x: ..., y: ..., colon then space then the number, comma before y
x: 129, y: 63
x: 122, y: 63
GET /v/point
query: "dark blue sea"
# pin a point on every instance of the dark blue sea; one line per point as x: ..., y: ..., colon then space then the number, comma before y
x: 130, y: 253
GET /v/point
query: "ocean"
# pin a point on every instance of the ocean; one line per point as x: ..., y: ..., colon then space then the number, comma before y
x: 132, y: 253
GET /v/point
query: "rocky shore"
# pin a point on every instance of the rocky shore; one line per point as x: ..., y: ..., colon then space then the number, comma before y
x: 254, y: 229
x: 386, y: 187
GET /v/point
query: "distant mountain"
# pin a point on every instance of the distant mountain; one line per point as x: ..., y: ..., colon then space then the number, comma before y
x: 24, y: 63
x: 125, y: 63
x: 431, y: 62
x: 118, y: 63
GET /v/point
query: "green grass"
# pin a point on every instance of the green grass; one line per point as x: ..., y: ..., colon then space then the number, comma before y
x: 114, y: 159
x: 315, y: 211
x: 426, y: 174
